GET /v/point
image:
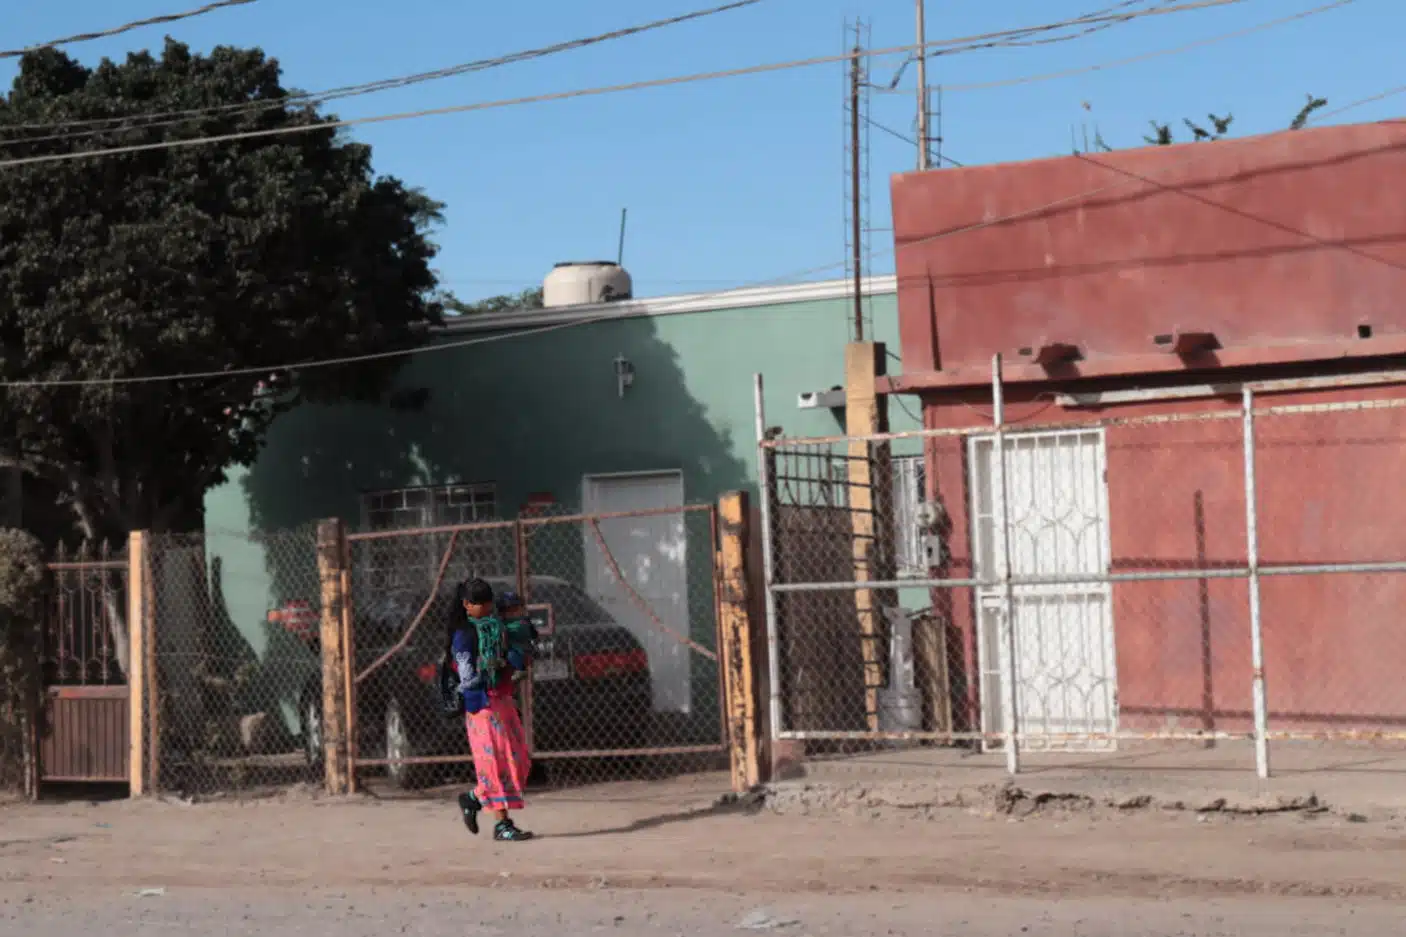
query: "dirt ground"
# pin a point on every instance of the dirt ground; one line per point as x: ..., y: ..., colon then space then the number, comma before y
x: 666, y: 857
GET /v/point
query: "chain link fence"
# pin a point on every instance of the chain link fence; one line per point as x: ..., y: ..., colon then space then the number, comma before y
x: 233, y: 623
x: 1165, y: 585
x: 625, y: 682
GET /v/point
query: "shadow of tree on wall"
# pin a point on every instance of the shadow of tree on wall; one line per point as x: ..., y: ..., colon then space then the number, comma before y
x: 529, y: 414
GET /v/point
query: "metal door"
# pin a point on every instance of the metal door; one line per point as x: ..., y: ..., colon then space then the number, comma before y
x: 651, y: 552
x: 1057, y: 526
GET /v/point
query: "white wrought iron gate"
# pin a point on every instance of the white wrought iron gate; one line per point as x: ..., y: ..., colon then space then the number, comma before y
x: 1056, y: 533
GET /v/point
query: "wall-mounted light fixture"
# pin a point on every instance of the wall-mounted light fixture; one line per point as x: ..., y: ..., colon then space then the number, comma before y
x: 1187, y: 344
x: 624, y: 374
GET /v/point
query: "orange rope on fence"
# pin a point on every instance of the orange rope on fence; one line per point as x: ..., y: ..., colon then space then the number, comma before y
x: 639, y: 601
x: 424, y: 609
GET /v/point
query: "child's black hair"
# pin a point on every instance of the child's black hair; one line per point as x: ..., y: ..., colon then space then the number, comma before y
x: 478, y: 592
x: 475, y: 591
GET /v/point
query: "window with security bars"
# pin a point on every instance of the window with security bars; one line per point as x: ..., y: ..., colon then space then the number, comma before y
x: 908, y: 534
x: 412, y: 562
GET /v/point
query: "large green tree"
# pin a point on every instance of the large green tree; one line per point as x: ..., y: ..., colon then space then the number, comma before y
x: 256, y: 253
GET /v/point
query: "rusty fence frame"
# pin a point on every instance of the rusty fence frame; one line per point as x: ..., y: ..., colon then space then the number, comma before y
x: 520, y: 527
x: 1010, y: 735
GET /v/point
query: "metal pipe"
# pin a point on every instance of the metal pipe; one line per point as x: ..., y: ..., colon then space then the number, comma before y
x: 1301, y: 409
x: 922, y: 53
x: 1186, y: 735
x: 782, y: 442
x: 1158, y: 575
x: 856, y: 190
x: 1174, y: 735
x: 764, y: 482
x: 1000, y: 523
x: 546, y: 756
x: 1252, y: 552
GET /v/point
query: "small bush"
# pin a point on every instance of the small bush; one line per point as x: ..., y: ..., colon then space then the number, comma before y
x: 23, y: 591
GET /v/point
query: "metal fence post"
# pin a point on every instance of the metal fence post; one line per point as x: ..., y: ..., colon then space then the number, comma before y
x: 1001, y: 524
x: 764, y: 483
x: 1252, y: 551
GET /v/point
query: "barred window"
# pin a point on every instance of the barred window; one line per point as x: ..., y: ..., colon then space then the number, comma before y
x: 437, y: 506
x: 412, y: 562
x: 908, y: 485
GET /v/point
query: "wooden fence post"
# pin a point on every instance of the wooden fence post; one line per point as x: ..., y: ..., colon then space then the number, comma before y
x: 349, y: 670
x: 739, y: 668
x: 330, y: 559
x: 866, y: 413
x: 137, y: 676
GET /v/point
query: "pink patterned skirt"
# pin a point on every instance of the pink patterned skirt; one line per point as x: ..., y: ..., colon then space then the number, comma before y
x: 501, y: 759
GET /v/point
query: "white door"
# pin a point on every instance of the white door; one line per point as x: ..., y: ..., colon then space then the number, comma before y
x: 651, y: 554
x: 1057, y: 526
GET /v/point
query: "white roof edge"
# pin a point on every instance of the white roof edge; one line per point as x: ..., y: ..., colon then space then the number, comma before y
x: 669, y: 305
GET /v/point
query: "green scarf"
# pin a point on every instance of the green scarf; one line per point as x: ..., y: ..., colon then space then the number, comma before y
x: 492, y: 649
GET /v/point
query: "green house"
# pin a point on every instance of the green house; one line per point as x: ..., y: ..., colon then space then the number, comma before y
x: 624, y: 406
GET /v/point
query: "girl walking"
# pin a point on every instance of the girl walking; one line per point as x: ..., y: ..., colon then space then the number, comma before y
x: 485, y: 662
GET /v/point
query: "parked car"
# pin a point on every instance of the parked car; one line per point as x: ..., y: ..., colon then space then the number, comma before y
x: 591, y: 686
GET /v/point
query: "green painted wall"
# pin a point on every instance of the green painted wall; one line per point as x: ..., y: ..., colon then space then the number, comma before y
x: 536, y: 413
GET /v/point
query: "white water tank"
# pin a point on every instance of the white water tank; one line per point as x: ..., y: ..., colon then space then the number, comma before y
x: 586, y: 283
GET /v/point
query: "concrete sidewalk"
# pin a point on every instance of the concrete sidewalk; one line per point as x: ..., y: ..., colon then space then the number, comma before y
x: 1360, y: 781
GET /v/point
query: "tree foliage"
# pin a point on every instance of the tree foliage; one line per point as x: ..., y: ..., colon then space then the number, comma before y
x: 1216, y: 127
x: 527, y: 299
x: 251, y: 254
x: 23, y: 576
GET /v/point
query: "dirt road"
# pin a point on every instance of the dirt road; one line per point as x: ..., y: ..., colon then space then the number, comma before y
x: 465, y: 913
x: 367, y: 866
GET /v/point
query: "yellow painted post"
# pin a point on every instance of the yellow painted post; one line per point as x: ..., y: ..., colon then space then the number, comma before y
x: 330, y: 553
x: 349, y: 671
x: 136, y: 663
x: 866, y: 414
x: 739, y: 667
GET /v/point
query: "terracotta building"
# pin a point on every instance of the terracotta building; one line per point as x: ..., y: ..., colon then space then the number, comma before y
x: 1121, y: 286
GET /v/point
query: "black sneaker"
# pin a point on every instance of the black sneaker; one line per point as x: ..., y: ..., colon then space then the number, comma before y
x: 470, y: 807
x: 507, y: 831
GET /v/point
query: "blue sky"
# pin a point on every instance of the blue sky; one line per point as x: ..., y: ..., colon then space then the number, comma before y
x: 737, y: 181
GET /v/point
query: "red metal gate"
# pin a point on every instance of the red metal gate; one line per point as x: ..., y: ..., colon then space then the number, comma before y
x: 84, y: 732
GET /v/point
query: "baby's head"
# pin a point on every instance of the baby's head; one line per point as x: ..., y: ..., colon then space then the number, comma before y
x: 510, y: 605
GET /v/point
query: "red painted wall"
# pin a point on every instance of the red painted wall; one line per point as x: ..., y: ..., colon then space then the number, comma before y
x: 1330, y: 490
x: 1276, y: 244
x: 1282, y: 246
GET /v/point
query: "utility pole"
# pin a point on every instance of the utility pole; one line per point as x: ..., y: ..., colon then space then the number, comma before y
x: 922, y: 90
x: 856, y: 187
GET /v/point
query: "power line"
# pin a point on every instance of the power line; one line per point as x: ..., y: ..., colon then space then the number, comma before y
x: 125, y: 28
x: 691, y: 300
x: 1193, y: 154
x: 1099, y: 16
x: 1111, y: 15
x: 168, y: 118
x: 1131, y: 60
x: 1353, y: 105
x: 947, y: 44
